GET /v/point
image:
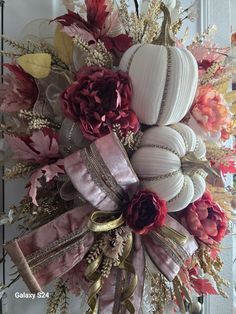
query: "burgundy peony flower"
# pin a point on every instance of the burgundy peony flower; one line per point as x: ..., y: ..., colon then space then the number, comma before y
x: 146, y: 212
x: 205, y: 219
x: 19, y: 90
x: 98, y: 99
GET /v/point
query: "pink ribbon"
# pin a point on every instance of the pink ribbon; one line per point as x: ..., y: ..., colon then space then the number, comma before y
x: 95, y: 185
x: 168, y: 260
x: 57, y: 247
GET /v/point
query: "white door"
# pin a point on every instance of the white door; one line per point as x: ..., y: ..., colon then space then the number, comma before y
x: 17, y: 13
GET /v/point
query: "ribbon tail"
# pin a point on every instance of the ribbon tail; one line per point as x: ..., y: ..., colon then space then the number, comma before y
x: 53, y: 249
x: 160, y: 257
x: 138, y: 262
x: 109, y: 299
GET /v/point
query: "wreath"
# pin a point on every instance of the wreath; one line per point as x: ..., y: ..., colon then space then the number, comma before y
x: 120, y: 131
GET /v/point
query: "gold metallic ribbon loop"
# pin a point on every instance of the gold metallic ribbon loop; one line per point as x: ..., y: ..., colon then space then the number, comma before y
x: 96, y: 286
x: 93, y: 296
x: 93, y: 267
x: 112, y: 222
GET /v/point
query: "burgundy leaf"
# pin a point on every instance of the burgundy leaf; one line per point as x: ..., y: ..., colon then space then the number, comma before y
x: 203, y: 286
x: 119, y: 43
x: 96, y: 12
x: 72, y: 18
x: 19, y: 73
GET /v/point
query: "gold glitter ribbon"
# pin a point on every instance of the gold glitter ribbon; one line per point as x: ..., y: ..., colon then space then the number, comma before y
x: 93, y: 296
x: 174, y: 235
x: 116, y: 220
x: 100, y: 221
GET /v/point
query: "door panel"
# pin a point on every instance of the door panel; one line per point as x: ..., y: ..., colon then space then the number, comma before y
x: 17, y: 15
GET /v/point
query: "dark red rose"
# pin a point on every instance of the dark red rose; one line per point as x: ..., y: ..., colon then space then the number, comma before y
x: 146, y: 212
x: 205, y: 219
x: 98, y: 99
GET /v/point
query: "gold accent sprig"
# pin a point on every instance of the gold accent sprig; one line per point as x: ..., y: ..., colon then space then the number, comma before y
x: 110, y: 247
x: 131, y: 140
x: 212, y: 267
x: 34, y: 216
x: 95, y: 55
x: 58, y: 300
x: 9, y: 54
x: 143, y: 28
x: 160, y: 290
x: 210, y: 73
x: 37, y: 121
x: 18, y: 170
x: 124, y: 15
x: 29, y: 47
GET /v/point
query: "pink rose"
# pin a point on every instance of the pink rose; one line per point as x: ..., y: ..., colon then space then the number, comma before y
x: 205, y: 219
x: 98, y: 99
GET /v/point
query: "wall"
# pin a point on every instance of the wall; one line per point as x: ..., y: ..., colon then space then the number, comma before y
x: 219, y: 13
x: 19, y: 13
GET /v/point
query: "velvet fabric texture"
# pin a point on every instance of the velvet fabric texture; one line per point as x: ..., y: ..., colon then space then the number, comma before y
x: 98, y: 186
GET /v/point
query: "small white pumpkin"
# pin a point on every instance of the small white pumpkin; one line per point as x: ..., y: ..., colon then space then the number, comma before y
x: 170, y: 163
x: 164, y: 79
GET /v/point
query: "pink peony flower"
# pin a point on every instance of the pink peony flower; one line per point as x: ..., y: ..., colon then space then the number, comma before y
x: 205, y: 220
x: 98, y: 99
x: 19, y: 90
x: 211, y: 111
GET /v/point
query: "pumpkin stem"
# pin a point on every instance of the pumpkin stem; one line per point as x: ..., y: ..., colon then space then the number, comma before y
x: 190, y: 163
x: 164, y: 38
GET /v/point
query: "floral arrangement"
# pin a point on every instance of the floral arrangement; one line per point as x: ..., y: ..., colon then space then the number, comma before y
x: 125, y: 211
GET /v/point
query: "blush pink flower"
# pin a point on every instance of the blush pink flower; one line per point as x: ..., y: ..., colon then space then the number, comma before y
x: 98, y: 99
x: 19, y: 90
x: 207, y: 54
x: 211, y: 111
x: 205, y: 220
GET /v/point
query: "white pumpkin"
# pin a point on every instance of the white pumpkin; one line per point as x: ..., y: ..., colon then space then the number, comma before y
x: 162, y: 166
x: 164, y: 78
x: 164, y: 81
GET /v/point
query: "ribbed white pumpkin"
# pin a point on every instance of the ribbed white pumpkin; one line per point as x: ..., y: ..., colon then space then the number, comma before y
x: 164, y: 82
x: 158, y: 164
